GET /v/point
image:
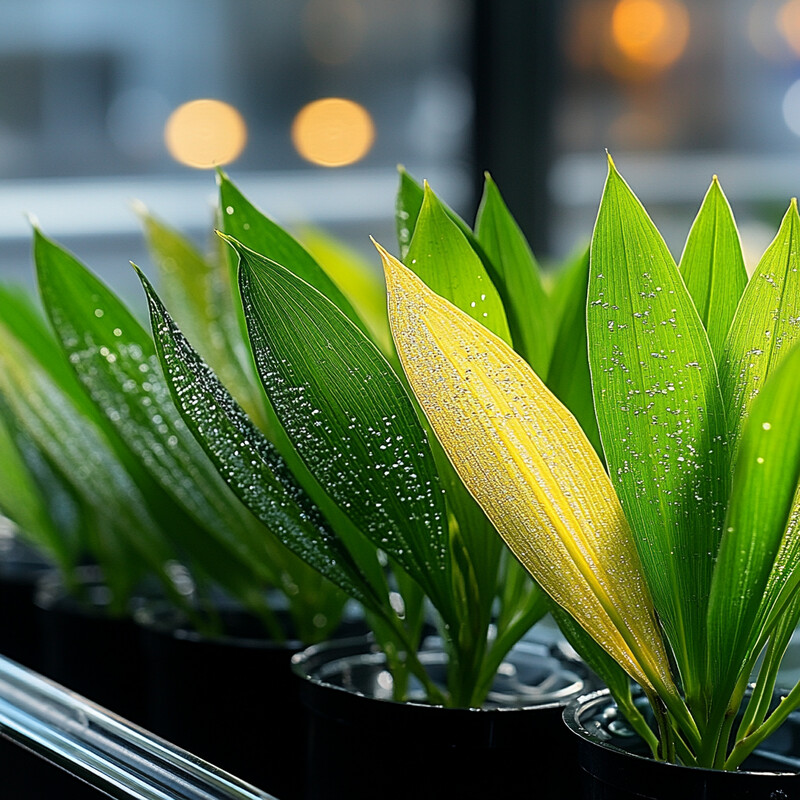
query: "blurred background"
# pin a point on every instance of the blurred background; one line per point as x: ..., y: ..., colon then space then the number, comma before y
x: 311, y: 104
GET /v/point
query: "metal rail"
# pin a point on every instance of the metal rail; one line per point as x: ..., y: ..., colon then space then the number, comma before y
x: 103, y: 750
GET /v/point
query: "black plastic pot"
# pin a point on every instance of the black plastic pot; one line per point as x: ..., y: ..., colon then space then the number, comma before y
x: 230, y: 700
x: 615, y: 764
x: 86, y: 649
x: 20, y: 569
x: 363, y: 745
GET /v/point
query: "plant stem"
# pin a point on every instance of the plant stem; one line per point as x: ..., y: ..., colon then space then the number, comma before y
x: 745, y: 747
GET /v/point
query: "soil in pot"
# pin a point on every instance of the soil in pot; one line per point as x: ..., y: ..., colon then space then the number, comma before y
x: 615, y: 763
x: 86, y: 649
x: 364, y: 745
x: 229, y: 699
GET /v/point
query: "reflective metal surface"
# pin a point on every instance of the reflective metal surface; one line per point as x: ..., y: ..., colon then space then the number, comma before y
x: 103, y: 750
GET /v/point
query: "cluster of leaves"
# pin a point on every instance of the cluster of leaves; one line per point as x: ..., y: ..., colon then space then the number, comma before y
x: 97, y: 463
x: 397, y: 530
x: 679, y: 565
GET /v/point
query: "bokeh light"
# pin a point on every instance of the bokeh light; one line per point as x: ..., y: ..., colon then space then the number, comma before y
x: 788, y: 24
x: 650, y: 34
x: 791, y: 108
x: 205, y: 134
x: 333, y: 132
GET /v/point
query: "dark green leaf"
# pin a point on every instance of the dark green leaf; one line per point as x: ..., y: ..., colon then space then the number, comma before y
x: 116, y: 361
x: 245, y: 223
x: 248, y: 461
x: 349, y: 418
x: 200, y: 293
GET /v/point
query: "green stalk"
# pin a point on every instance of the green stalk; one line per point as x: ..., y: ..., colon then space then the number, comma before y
x: 745, y: 747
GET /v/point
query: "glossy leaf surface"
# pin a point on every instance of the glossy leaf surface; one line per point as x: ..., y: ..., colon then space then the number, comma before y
x: 249, y: 462
x: 757, y: 569
x: 115, y: 359
x: 443, y: 258
x: 766, y: 324
x: 660, y: 416
x: 245, y: 223
x: 712, y: 265
x: 526, y: 461
x: 349, y: 418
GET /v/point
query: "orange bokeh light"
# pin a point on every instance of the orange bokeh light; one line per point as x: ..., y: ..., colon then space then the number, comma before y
x: 205, y: 134
x: 788, y: 23
x: 650, y: 34
x: 333, y: 132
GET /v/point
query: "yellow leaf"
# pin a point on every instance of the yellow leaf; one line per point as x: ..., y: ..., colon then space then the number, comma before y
x: 531, y: 468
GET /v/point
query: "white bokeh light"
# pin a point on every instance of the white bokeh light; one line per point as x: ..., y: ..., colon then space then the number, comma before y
x: 791, y: 108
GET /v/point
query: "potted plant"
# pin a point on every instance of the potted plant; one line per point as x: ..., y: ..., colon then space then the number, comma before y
x: 677, y: 566
x: 342, y: 420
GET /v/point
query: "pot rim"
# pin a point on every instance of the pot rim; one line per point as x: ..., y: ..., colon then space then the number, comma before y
x: 579, y: 705
x: 164, y: 619
x: 306, y: 661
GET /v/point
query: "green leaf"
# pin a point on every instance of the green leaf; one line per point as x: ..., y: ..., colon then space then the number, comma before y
x: 534, y: 473
x: 519, y: 282
x: 407, y: 207
x: 443, y: 258
x: 660, y: 416
x: 357, y: 279
x: 349, y: 418
x: 21, y: 499
x: 78, y: 449
x: 24, y: 320
x: 766, y: 323
x: 251, y: 465
x: 757, y: 570
x: 115, y: 359
x: 200, y: 293
x: 568, y: 377
x: 712, y: 266
x: 245, y: 223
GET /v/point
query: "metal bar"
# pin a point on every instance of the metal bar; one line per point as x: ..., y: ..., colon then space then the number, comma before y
x: 105, y: 751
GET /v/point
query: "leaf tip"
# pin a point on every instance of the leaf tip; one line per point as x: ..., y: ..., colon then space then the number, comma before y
x: 139, y: 209
x: 612, y: 167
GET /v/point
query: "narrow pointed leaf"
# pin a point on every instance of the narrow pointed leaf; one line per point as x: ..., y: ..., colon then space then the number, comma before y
x: 251, y: 465
x: 568, y: 377
x: 757, y: 568
x: 21, y: 498
x: 712, y: 265
x: 443, y: 258
x: 79, y: 450
x: 245, y: 223
x: 358, y: 280
x: 527, y: 463
x: 349, y: 418
x: 660, y: 415
x: 408, y: 205
x: 115, y: 359
x: 526, y: 305
x: 203, y: 301
x: 766, y: 324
